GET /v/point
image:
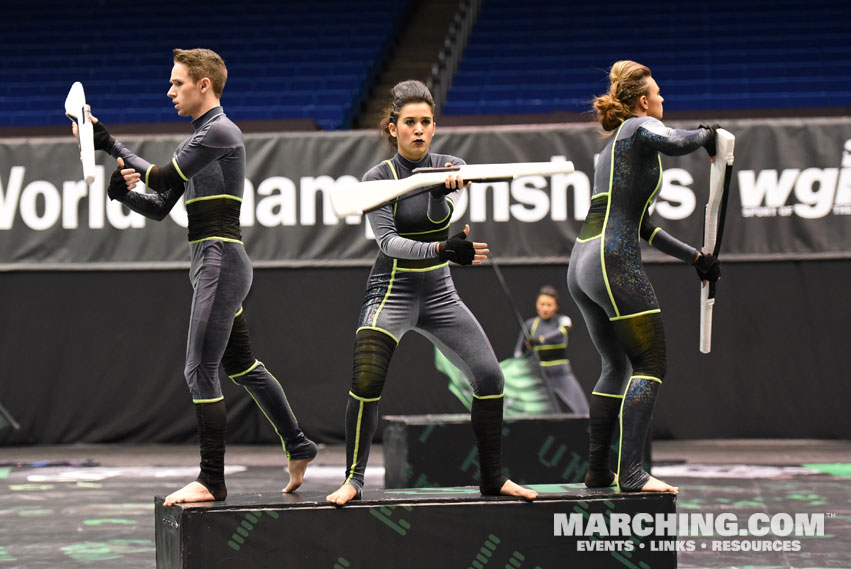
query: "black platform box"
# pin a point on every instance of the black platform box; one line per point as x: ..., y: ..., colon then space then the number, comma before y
x: 411, y: 529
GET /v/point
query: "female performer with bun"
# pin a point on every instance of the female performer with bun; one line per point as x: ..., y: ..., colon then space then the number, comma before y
x: 606, y: 276
x: 410, y: 288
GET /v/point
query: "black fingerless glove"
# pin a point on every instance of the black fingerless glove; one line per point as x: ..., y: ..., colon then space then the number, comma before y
x: 708, y: 267
x: 103, y: 140
x: 457, y: 249
x: 117, y: 186
x: 441, y: 190
x: 709, y: 145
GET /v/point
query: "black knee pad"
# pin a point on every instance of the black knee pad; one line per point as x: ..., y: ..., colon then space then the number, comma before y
x: 238, y: 356
x: 373, y: 350
x: 643, y: 338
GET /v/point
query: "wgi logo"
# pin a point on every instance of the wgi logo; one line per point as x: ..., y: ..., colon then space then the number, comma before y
x: 810, y: 193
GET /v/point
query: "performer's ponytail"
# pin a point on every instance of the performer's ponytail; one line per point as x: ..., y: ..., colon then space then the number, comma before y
x: 627, y: 82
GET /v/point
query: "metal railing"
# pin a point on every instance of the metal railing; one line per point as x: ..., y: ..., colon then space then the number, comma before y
x: 449, y: 58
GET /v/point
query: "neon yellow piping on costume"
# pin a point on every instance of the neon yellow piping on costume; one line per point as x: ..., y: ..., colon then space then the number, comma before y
x: 148, y: 173
x: 216, y: 400
x: 578, y: 240
x: 179, y: 171
x: 647, y: 377
x: 481, y: 397
x: 262, y: 410
x: 239, y: 312
x: 395, y: 177
x: 387, y: 294
x: 628, y: 316
x: 240, y: 374
x: 257, y: 363
x: 282, y: 389
x: 365, y: 399
x: 392, y: 169
x: 357, y: 439
x: 606, y: 222
x: 534, y: 326
x: 216, y: 197
x: 377, y: 329
x: 652, y: 195
x: 448, y: 215
x: 652, y: 235
x: 606, y: 395
x: 620, y: 437
x: 228, y: 239
x: 433, y: 267
x: 554, y: 363
x: 424, y: 232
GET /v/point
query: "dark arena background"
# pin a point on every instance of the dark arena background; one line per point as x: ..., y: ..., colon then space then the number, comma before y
x: 95, y: 416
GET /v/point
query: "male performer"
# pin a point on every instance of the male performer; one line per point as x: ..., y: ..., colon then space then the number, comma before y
x: 209, y: 167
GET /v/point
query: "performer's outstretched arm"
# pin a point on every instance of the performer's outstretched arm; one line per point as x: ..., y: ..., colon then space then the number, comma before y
x: 672, y: 141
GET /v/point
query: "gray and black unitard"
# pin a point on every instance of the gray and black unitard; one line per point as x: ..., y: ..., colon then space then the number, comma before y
x: 551, y: 357
x: 209, y: 168
x: 410, y: 288
x: 607, y: 280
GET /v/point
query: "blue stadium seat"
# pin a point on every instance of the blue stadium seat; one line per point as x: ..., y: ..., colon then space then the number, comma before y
x: 542, y: 56
x: 286, y: 59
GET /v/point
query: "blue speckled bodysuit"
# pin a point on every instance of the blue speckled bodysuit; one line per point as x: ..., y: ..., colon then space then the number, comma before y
x: 607, y: 280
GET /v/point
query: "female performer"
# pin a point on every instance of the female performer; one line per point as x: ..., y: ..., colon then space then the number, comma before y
x: 607, y: 279
x: 410, y: 288
x: 548, y: 338
x: 209, y: 168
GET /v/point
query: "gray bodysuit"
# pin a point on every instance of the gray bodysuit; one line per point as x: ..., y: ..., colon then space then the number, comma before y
x: 211, y: 164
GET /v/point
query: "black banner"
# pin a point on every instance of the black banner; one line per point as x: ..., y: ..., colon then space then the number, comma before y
x: 790, y: 199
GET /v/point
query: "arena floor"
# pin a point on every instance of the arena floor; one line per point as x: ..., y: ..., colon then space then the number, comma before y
x: 83, y: 506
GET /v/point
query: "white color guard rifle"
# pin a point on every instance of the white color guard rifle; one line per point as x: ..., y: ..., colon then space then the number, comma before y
x: 360, y: 197
x: 713, y: 225
x: 76, y: 110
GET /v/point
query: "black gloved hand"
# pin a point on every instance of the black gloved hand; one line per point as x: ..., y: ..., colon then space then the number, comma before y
x: 441, y: 190
x: 708, y: 267
x: 709, y: 145
x: 457, y: 249
x: 103, y: 140
x: 117, y: 186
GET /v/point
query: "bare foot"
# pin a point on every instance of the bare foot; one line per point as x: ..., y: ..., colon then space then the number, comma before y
x: 296, y: 469
x: 512, y: 489
x: 343, y: 495
x: 192, y: 492
x: 656, y: 485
